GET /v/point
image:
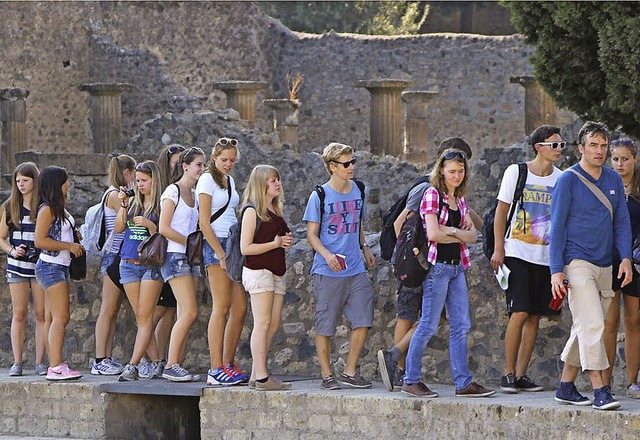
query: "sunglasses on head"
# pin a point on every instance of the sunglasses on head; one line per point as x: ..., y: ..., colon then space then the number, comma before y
x: 347, y: 163
x: 455, y: 154
x: 227, y: 141
x: 190, y: 151
x: 623, y: 143
x: 144, y: 167
x: 174, y: 149
x: 554, y: 145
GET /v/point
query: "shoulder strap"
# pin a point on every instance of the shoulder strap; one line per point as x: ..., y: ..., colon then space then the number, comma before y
x: 595, y: 190
x: 321, y: 194
x: 105, y: 197
x: 221, y: 211
x: 258, y: 220
x: 360, y: 186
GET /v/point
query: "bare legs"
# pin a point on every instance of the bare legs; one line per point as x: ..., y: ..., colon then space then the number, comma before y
x: 184, y: 289
x: 58, y: 303
x: 520, y: 338
x: 631, y: 317
x: 106, y: 322
x: 143, y: 297
x: 357, y: 340
x: 267, y: 309
x: 20, y: 304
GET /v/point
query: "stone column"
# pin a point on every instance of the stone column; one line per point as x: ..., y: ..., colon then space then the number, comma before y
x: 241, y: 96
x: 105, y: 114
x: 416, y: 135
x: 13, y: 115
x: 539, y: 107
x: 285, y: 119
x: 386, y: 114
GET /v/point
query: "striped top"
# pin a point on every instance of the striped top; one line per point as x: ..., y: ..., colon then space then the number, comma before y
x: 24, y: 235
x: 110, y: 222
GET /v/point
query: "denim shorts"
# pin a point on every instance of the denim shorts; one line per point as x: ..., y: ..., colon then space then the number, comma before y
x: 134, y: 273
x: 107, y: 259
x: 13, y: 278
x: 208, y: 255
x: 176, y: 265
x: 50, y: 274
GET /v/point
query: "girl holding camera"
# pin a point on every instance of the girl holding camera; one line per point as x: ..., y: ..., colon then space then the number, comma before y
x: 17, y: 226
x: 54, y: 236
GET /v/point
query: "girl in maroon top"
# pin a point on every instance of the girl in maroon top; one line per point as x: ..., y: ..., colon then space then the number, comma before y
x: 264, y: 267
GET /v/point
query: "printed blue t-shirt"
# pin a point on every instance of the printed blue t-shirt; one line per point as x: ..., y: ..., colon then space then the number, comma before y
x: 340, y: 229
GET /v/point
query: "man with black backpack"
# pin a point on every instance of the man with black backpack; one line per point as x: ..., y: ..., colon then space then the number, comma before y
x: 523, y: 246
x: 334, y: 217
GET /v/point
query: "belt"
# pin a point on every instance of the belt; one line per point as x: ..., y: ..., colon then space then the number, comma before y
x: 136, y: 262
x: 453, y: 262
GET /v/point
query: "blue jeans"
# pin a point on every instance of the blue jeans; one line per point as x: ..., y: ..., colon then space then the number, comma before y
x: 445, y: 284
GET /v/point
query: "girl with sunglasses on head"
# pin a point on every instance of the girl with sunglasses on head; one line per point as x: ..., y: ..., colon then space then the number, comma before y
x: 218, y: 199
x: 179, y: 218
x: 624, y: 159
x: 54, y: 235
x: 264, y: 267
x: 444, y: 213
x: 138, y: 219
x: 121, y: 174
x: 17, y: 227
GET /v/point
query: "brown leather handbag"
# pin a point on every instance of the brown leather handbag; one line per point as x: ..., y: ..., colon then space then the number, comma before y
x: 153, y: 251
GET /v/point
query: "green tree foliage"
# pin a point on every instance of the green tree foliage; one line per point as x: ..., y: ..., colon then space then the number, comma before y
x: 363, y: 17
x: 587, y: 56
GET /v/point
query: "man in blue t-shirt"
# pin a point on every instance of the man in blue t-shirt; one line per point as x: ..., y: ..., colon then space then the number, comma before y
x: 340, y: 282
x: 589, y: 217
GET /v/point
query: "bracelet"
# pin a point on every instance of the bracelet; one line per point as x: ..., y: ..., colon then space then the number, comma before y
x: 122, y: 205
x: 362, y: 246
x: 13, y: 248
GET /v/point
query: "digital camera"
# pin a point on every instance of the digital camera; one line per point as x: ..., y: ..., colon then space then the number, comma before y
x: 129, y: 192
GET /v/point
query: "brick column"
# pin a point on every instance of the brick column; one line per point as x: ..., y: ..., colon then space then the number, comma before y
x: 105, y: 114
x: 285, y: 119
x: 13, y: 115
x: 539, y: 107
x: 241, y: 96
x: 386, y: 114
x: 416, y: 136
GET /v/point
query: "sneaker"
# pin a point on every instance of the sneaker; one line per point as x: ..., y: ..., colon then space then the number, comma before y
x: 116, y: 363
x: 355, y: 381
x: 330, y: 383
x: 526, y: 384
x: 157, y: 368
x: 398, y: 378
x: 41, y: 369
x: 130, y: 373
x: 145, y: 369
x: 252, y: 384
x: 244, y: 378
x: 418, y: 389
x: 105, y: 368
x: 15, y: 370
x: 387, y: 368
x: 603, y: 399
x: 272, y: 385
x: 475, y: 390
x: 633, y: 391
x: 221, y: 376
x: 568, y: 394
x: 62, y: 372
x: 508, y: 383
x: 176, y: 373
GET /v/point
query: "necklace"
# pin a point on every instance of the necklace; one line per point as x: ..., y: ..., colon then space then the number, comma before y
x: 627, y: 191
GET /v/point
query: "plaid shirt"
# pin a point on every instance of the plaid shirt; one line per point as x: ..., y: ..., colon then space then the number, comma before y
x: 429, y: 205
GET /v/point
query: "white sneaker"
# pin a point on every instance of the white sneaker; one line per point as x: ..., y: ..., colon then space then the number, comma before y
x: 633, y: 391
x: 105, y: 368
x: 145, y: 369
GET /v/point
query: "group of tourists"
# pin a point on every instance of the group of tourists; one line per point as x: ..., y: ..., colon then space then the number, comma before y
x: 545, y: 227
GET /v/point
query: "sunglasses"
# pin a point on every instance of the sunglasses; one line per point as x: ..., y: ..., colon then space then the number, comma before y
x: 190, y: 151
x: 553, y: 145
x: 144, y: 168
x: 174, y: 149
x: 623, y: 143
x: 346, y: 164
x: 455, y: 154
x: 223, y: 142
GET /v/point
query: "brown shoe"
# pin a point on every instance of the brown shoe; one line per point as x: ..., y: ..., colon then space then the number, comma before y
x: 418, y: 389
x: 272, y: 385
x: 475, y: 390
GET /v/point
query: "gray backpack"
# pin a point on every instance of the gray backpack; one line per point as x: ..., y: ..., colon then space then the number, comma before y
x: 234, y: 259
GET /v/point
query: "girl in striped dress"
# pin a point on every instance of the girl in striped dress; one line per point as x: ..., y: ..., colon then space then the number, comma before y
x: 17, y: 226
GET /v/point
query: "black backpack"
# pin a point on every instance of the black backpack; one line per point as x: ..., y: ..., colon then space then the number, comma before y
x: 321, y: 195
x: 411, y: 266
x: 489, y: 239
x: 388, y: 235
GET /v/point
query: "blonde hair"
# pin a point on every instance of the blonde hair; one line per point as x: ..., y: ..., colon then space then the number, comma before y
x: 437, y: 178
x: 117, y: 165
x: 12, y: 207
x: 333, y: 151
x: 256, y: 191
x: 150, y: 168
x: 217, y: 150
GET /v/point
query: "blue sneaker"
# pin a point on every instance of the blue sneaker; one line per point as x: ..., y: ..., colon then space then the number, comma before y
x: 231, y: 368
x: 568, y: 394
x: 221, y: 376
x: 603, y: 399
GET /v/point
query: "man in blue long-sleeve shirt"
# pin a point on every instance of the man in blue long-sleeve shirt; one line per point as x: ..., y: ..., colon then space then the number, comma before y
x: 583, y: 234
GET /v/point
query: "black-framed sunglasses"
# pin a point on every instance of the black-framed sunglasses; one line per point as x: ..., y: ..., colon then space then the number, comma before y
x: 227, y: 141
x: 346, y: 164
x: 144, y: 168
x: 554, y: 145
x: 455, y: 154
x: 174, y: 149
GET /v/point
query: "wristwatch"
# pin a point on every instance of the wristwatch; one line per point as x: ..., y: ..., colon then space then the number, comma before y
x: 454, y: 231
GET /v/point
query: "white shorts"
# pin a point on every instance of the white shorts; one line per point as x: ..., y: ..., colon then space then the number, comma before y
x: 262, y: 280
